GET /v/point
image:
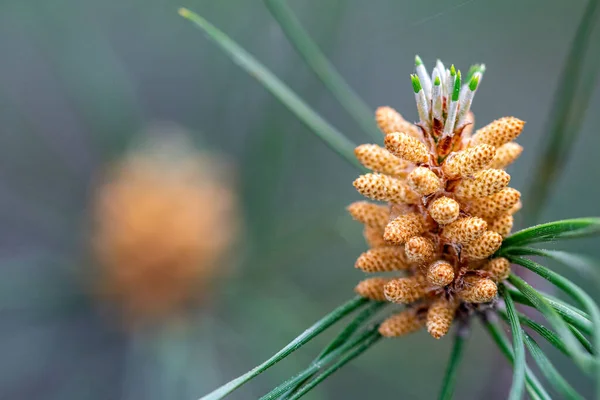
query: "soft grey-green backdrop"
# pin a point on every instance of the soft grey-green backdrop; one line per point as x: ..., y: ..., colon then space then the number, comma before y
x: 78, y: 79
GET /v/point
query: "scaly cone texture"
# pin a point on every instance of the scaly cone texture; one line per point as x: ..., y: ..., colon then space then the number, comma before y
x: 447, y: 204
x: 164, y: 221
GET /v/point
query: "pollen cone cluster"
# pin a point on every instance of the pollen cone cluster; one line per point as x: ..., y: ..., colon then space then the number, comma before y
x: 443, y: 205
x: 162, y: 221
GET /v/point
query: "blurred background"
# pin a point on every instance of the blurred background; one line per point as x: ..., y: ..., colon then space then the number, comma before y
x: 85, y: 85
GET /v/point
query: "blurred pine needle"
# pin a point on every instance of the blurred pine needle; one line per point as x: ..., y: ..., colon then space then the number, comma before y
x: 332, y: 137
x: 322, y: 67
x: 571, y: 99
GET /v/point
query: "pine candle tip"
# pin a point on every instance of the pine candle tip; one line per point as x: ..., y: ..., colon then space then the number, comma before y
x: 472, y: 69
x: 452, y: 70
x: 437, y: 81
x: 474, y: 82
x: 416, y: 83
x: 184, y: 12
x: 456, y: 92
x: 418, y: 61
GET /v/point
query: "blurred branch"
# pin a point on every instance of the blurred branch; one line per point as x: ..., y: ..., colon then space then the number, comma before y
x: 323, y: 68
x: 571, y: 100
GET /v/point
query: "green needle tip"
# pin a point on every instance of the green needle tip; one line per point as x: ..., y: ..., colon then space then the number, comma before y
x: 474, y: 68
x: 456, y: 91
x: 452, y: 70
x: 416, y: 83
x: 474, y: 82
x: 437, y: 81
x: 184, y: 12
x: 418, y: 61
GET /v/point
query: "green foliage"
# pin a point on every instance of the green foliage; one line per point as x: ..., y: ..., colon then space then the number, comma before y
x: 549, y: 335
x: 570, y: 314
x: 544, y: 307
x: 590, y: 365
x: 552, y: 231
x: 518, y: 383
x: 532, y: 384
x: 353, y: 346
x: 585, y: 266
x: 344, y: 335
x: 294, y: 345
x: 343, y: 360
x: 552, y: 375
